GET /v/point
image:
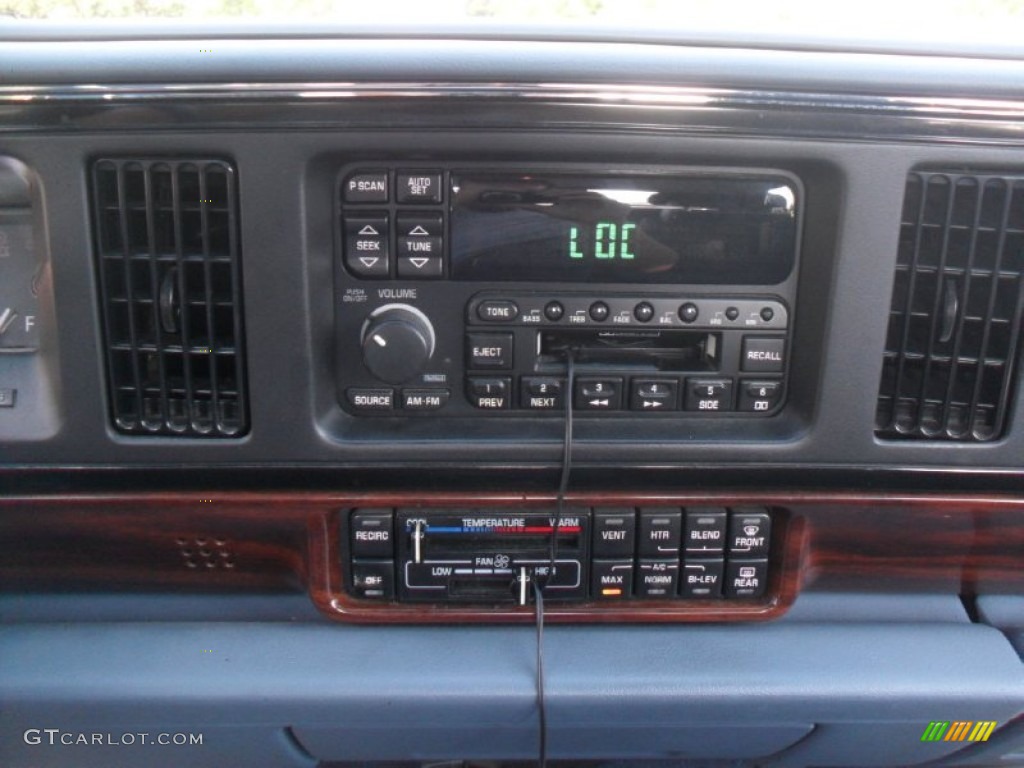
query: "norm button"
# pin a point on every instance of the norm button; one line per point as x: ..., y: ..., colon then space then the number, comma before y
x: 366, y: 187
x: 366, y: 245
x: 372, y: 535
x: 489, y: 350
x: 749, y: 532
x: 418, y: 187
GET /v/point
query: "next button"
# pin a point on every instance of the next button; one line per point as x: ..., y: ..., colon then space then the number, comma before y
x: 764, y: 354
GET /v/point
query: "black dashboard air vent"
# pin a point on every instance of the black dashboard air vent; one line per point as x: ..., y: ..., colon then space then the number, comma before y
x: 167, y: 245
x: 955, y: 320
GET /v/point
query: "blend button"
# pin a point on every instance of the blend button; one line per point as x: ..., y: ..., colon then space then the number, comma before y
x: 705, y: 530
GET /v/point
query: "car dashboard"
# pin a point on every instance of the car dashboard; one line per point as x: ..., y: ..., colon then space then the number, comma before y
x: 376, y: 399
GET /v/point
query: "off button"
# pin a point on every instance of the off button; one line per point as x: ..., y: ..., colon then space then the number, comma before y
x: 497, y: 311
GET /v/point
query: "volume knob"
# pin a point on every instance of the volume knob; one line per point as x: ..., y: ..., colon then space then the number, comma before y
x: 398, y: 341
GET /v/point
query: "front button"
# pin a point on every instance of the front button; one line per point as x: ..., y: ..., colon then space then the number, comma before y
x: 746, y: 578
x: 598, y: 394
x: 749, y: 532
x: 763, y: 354
x: 489, y: 350
x: 542, y: 393
x: 654, y: 395
x: 612, y: 579
x: 366, y: 245
x: 705, y: 530
x: 424, y: 399
x: 418, y: 187
x: 374, y: 579
x: 366, y: 399
x: 497, y: 311
x: 489, y: 394
x: 614, y: 532
x: 372, y: 535
x: 367, y: 187
x: 658, y: 579
x: 709, y: 395
x: 702, y: 578
x: 660, y: 532
x: 599, y: 311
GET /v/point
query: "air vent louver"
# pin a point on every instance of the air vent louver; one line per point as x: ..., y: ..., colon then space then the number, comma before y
x: 955, y: 319
x: 168, y: 262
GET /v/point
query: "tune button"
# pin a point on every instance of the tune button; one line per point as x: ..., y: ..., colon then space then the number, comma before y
x: 553, y: 311
x: 643, y: 312
x: 688, y: 312
x: 599, y: 311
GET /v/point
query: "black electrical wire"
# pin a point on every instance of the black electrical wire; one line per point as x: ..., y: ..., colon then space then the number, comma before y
x: 539, y: 585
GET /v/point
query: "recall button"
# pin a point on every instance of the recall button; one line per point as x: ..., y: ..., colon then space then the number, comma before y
x: 363, y: 399
x: 489, y: 350
x: 497, y: 311
x: 762, y: 354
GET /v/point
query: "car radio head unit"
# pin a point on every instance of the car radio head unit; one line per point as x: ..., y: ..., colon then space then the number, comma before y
x: 462, y: 289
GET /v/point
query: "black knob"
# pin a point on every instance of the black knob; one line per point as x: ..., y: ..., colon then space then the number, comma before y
x: 643, y: 311
x: 398, y: 341
x: 688, y: 312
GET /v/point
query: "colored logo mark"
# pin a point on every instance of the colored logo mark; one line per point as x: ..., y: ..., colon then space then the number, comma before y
x: 959, y: 730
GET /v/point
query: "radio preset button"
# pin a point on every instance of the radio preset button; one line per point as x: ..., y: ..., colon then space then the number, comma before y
x: 366, y: 187
x: 489, y: 350
x: 599, y: 311
x: 661, y: 531
x: 702, y: 578
x: 611, y: 579
x: 542, y: 394
x: 644, y: 312
x: 372, y: 535
x: 760, y: 396
x: 614, y: 532
x: 709, y: 395
x: 553, y: 311
x: 689, y: 312
x: 424, y: 399
x: 366, y: 245
x: 418, y: 187
x: 489, y: 394
x: 658, y: 579
x: 764, y: 354
x: 654, y: 395
x: 746, y: 578
x: 497, y: 311
x: 598, y: 394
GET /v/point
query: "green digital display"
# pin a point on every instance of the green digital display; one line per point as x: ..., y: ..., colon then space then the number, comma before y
x: 608, y: 241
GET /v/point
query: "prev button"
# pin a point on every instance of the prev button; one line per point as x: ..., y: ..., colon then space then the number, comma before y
x: 489, y: 394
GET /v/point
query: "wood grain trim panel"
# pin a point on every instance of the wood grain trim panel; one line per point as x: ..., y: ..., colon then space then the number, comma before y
x: 239, y: 542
